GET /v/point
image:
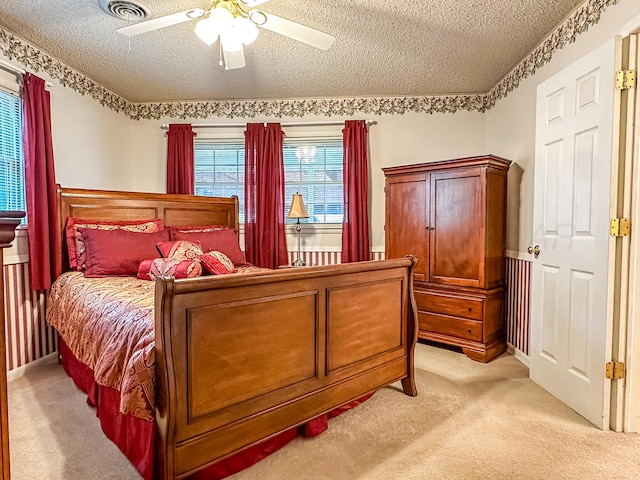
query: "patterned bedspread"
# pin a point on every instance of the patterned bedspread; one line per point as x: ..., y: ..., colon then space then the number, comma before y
x: 108, y: 324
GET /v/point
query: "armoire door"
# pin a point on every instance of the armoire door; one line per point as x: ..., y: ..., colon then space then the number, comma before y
x: 458, y: 228
x: 406, y: 226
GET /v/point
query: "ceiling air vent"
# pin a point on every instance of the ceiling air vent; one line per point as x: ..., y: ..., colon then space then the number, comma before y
x: 125, y: 10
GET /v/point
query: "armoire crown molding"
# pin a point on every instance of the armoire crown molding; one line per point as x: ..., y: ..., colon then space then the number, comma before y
x: 36, y: 60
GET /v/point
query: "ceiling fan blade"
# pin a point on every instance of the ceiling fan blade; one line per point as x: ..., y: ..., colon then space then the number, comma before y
x: 253, y: 3
x: 291, y: 29
x: 234, y: 59
x: 160, y: 22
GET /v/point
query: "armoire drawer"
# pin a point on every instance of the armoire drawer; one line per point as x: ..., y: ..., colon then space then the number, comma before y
x: 452, y: 326
x: 449, y: 304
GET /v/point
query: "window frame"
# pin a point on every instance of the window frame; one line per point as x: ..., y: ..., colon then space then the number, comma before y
x: 13, y: 90
x: 236, y: 134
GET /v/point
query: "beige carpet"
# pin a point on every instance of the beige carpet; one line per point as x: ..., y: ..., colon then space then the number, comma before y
x: 469, y: 421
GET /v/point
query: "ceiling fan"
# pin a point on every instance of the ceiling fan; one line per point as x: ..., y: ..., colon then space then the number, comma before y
x: 235, y: 22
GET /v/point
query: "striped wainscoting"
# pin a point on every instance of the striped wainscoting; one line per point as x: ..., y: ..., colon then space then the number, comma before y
x: 518, y: 303
x: 325, y: 258
x: 27, y: 335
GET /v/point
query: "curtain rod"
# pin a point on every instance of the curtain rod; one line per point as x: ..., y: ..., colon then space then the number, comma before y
x: 243, y: 125
x: 9, y: 67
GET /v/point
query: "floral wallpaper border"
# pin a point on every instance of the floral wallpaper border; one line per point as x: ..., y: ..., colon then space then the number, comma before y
x: 587, y: 15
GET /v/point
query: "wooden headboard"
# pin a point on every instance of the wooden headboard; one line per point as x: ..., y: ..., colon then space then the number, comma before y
x: 113, y: 205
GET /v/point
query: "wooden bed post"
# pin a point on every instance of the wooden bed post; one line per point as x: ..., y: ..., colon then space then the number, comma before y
x: 8, y: 223
x: 409, y: 383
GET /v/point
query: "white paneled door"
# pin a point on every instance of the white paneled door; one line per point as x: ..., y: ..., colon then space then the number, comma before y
x: 570, y: 311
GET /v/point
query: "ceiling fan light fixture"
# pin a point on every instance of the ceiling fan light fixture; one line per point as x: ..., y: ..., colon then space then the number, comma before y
x: 246, y: 30
x: 206, y: 32
x: 230, y: 42
x: 218, y: 22
x: 221, y: 18
x: 234, y: 25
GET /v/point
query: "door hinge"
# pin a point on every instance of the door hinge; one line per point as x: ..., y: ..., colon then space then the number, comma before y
x: 625, y: 79
x: 620, y: 227
x: 614, y: 370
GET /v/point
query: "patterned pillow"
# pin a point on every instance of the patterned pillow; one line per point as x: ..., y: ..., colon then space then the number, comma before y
x: 180, y: 250
x: 217, y: 263
x: 165, y: 267
x: 225, y: 241
x: 75, y: 241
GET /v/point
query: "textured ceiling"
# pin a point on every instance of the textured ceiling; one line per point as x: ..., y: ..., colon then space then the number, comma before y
x: 411, y: 47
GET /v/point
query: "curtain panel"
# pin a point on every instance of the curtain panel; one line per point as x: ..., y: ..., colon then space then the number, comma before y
x: 40, y: 183
x: 265, y: 241
x: 180, y: 176
x: 355, y: 226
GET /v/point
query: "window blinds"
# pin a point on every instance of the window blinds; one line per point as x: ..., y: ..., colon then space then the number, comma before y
x: 12, y: 195
x: 312, y: 167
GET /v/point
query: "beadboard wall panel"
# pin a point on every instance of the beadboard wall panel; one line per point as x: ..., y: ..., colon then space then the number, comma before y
x: 518, y: 303
x: 315, y: 258
x: 27, y: 334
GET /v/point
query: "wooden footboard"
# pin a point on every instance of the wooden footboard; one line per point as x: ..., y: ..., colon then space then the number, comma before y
x: 242, y: 358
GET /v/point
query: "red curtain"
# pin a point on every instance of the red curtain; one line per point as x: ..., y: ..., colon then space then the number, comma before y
x: 265, y: 242
x: 355, y: 226
x: 180, y: 159
x: 40, y: 183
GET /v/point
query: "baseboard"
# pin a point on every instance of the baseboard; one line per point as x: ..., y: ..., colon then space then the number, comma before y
x: 20, y: 371
x: 520, y: 356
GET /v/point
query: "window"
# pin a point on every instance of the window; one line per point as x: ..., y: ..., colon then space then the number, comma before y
x: 12, y: 195
x: 312, y: 167
x: 219, y: 170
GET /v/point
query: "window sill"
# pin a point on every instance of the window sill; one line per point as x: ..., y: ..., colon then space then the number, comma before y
x: 325, y: 228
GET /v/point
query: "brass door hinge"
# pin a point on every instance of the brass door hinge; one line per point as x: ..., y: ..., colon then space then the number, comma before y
x: 625, y: 79
x: 614, y: 370
x: 620, y: 227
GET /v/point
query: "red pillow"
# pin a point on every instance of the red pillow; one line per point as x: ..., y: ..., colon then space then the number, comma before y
x: 201, y: 228
x: 224, y: 241
x: 165, y: 267
x: 180, y: 250
x: 75, y: 241
x: 118, y: 252
x: 217, y: 263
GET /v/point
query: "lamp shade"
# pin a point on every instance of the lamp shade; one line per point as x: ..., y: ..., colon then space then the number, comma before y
x: 297, y: 210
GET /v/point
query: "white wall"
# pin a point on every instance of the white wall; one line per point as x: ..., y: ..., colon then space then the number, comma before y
x: 511, y: 122
x: 393, y: 140
x: 92, y: 144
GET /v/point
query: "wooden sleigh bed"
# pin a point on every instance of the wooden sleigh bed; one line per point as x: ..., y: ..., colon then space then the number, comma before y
x: 239, y: 359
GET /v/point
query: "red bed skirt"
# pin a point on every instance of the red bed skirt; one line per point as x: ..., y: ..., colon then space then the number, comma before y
x: 135, y: 437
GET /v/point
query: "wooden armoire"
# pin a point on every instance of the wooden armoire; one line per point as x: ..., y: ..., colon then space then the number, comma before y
x: 451, y: 215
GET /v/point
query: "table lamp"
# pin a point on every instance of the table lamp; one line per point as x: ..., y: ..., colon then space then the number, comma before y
x: 298, y: 211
